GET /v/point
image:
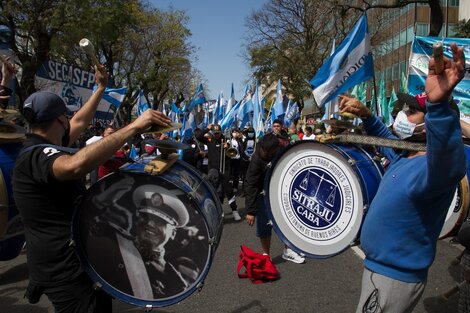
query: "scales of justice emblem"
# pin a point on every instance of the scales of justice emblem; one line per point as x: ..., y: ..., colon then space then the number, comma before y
x: 317, y: 200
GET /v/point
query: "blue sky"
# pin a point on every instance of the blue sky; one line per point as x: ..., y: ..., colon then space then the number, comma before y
x: 218, y: 28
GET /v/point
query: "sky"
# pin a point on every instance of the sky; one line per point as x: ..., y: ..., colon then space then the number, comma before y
x: 218, y: 29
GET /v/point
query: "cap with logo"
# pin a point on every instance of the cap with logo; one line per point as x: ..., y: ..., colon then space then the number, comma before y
x: 417, y: 102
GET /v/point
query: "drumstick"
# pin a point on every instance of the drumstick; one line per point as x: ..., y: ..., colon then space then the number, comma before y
x: 438, y: 55
x: 89, y: 50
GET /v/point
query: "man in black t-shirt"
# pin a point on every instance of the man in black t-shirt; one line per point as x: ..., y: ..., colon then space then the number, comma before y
x: 47, y: 181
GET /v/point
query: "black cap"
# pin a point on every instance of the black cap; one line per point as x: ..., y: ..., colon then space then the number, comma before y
x: 43, y: 106
x: 409, y: 100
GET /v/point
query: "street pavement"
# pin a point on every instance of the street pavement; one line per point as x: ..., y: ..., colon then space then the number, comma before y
x: 326, y: 285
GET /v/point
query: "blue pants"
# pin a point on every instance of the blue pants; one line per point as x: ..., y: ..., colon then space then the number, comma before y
x: 263, y: 225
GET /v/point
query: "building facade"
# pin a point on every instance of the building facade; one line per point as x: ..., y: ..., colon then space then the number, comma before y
x: 392, y: 32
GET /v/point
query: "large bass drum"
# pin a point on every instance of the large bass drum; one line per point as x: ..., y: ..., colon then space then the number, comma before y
x: 11, y: 228
x: 149, y: 240
x: 458, y: 209
x: 318, y: 194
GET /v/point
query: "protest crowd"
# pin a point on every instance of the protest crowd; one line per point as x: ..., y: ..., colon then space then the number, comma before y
x: 150, y: 224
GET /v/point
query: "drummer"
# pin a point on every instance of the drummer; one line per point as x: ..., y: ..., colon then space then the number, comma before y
x: 46, y: 182
x: 404, y: 220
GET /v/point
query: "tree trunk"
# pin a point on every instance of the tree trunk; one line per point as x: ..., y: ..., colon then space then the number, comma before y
x: 437, y: 18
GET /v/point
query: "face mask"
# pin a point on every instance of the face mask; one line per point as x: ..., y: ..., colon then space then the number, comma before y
x: 251, y: 135
x: 404, y: 128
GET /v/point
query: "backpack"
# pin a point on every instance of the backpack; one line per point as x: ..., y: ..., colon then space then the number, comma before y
x: 259, y: 268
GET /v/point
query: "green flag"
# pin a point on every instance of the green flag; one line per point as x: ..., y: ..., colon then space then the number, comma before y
x: 403, y: 83
x: 391, y: 102
x: 383, y: 104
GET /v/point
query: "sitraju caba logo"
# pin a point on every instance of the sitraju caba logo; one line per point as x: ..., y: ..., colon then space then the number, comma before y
x: 317, y: 197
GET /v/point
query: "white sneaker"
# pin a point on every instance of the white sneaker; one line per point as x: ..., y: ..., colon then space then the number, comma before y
x: 292, y: 256
x: 236, y: 215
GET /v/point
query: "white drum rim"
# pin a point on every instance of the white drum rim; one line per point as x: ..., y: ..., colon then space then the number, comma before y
x: 313, y: 248
x: 454, y: 219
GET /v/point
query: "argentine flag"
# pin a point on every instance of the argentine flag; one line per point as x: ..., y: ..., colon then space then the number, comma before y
x: 278, y: 108
x: 198, y: 98
x: 349, y: 65
x: 258, y: 111
x: 114, y: 96
x: 142, y: 104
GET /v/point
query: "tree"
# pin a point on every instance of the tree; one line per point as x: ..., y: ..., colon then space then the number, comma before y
x: 141, y: 47
x: 462, y: 29
x: 52, y: 29
x: 290, y: 39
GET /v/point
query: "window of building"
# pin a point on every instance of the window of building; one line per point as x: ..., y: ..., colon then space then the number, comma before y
x: 388, y: 74
x: 451, y: 30
x: 454, y: 3
x: 409, y: 34
x: 395, y: 72
x: 422, y: 29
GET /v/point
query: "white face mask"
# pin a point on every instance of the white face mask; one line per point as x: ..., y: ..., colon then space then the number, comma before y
x: 403, y: 127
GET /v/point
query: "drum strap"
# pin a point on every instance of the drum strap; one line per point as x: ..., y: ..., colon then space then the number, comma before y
x: 135, y: 268
x: 60, y: 148
x: 374, y: 141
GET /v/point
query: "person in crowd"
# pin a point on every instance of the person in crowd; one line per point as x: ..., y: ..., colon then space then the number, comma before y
x: 280, y: 133
x: 47, y: 180
x: 196, y: 154
x: 118, y: 159
x: 235, y: 168
x: 293, y: 136
x: 216, y: 153
x: 403, y: 223
x: 309, y: 135
x: 267, y: 148
x: 248, y: 148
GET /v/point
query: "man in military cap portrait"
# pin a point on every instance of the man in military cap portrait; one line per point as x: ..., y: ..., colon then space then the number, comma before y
x: 159, y: 215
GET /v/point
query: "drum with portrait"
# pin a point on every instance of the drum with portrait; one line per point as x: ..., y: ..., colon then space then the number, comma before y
x: 149, y: 240
x: 318, y: 195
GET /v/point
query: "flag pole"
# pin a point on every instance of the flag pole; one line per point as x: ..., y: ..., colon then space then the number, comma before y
x: 375, y: 94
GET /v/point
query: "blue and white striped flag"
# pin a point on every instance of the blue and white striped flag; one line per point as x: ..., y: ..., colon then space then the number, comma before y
x: 114, y: 96
x: 349, y: 65
x: 231, y: 101
x: 278, y: 107
x: 258, y: 112
x: 221, y: 107
x: 205, y: 120
x: 198, y: 98
x: 292, y: 114
x: 189, y: 124
x: 142, y: 103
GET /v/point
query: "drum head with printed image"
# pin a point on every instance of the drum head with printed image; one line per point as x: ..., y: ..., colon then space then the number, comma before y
x: 143, y: 238
x: 314, y: 200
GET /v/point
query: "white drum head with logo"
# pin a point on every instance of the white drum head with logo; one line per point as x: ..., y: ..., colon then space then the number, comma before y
x: 315, y: 200
x: 457, y: 210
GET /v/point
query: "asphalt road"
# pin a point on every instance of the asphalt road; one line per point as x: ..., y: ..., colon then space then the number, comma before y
x: 328, y: 285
